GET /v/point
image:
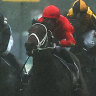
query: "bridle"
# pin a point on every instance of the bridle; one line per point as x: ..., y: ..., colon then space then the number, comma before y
x: 45, y: 39
x: 4, y: 60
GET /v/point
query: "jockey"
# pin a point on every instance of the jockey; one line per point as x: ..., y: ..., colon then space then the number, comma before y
x: 61, y: 27
x: 87, y: 20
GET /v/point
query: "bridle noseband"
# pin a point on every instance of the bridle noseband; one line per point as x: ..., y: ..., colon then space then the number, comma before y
x: 45, y: 39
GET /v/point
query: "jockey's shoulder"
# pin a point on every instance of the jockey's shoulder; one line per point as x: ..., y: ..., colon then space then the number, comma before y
x: 62, y: 18
x: 90, y: 12
x: 70, y: 12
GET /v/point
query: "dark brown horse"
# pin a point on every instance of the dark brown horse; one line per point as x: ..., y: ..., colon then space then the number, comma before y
x: 9, y: 67
x: 51, y: 75
x: 86, y: 56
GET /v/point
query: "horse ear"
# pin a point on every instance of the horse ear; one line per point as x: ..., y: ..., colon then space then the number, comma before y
x: 34, y: 21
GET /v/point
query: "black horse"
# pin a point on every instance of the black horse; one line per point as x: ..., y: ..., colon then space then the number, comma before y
x: 51, y: 75
x: 87, y: 57
x: 10, y: 78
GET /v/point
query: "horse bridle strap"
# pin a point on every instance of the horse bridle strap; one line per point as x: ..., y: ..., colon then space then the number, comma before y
x: 6, y: 61
x: 40, y: 43
x: 75, y: 75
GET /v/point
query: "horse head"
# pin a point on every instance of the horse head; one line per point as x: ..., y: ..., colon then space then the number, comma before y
x: 38, y: 37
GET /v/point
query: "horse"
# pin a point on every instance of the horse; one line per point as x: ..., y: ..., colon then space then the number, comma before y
x: 86, y: 56
x: 10, y: 76
x: 51, y: 75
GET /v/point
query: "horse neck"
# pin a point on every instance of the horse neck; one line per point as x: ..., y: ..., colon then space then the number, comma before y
x: 48, y: 71
x: 47, y: 62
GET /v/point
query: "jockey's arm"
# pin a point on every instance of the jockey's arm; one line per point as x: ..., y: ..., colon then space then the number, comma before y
x: 68, y: 34
x: 69, y: 41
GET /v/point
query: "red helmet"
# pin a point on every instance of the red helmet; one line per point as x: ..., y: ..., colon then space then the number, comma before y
x: 51, y: 12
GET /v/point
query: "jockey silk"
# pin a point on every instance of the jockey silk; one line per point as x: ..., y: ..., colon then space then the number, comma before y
x: 63, y: 30
x: 86, y: 21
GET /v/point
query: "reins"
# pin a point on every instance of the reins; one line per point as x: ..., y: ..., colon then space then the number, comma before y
x: 24, y: 64
x: 5, y: 61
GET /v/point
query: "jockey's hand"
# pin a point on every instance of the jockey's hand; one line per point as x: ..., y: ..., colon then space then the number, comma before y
x: 72, y: 44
